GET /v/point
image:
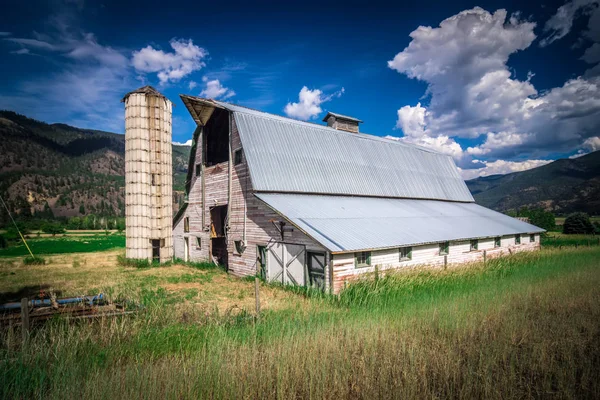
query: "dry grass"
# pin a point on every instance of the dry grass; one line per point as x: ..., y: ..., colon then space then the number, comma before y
x: 91, y: 273
x: 527, y: 326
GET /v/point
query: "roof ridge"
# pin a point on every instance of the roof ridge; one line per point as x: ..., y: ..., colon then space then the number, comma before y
x: 362, y: 135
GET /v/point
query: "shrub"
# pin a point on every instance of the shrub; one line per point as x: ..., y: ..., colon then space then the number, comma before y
x: 578, y: 223
x: 35, y: 260
x: 3, y: 242
x: 53, y: 228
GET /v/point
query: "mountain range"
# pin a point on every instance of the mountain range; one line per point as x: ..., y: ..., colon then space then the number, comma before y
x: 57, y: 170
x: 562, y: 186
x: 63, y: 171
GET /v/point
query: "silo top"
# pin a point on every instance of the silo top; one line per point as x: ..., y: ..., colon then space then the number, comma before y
x: 148, y: 90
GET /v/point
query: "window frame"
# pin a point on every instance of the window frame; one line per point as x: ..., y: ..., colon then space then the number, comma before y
x: 198, y: 242
x: 198, y: 169
x: 497, y: 242
x: 407, y: 256
x: 517, y: 239
x: 367, y: 262
x: 532, y: 238
x: 474, y: 245
x: 186, y: 224
x: 444, y: 248
x: 238, y: 156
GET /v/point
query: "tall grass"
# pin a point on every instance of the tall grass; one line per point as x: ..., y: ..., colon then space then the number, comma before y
x: 521, y: 327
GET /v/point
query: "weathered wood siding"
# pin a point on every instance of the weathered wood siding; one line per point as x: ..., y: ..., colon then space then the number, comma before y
x: 259, y: 227
x: 260, y: 230
x: 344, y: 270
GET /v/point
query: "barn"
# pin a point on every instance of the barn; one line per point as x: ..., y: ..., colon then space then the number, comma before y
x: 320, y: 204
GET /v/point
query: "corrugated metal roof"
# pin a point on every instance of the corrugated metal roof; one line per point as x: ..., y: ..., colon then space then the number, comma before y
x: 286, y: 155
x: 344, y: 223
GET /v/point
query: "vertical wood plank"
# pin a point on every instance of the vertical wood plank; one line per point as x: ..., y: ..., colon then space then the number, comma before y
x: 25, y: 319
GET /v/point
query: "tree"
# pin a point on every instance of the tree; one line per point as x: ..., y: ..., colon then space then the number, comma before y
x: 578, y: 223
x: 82, y: 209
x: 53, y: 228
x: 74, y: 223
x: 543, y: 219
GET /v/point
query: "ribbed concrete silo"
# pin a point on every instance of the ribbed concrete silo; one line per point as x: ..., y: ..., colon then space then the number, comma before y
x: 148, y: 175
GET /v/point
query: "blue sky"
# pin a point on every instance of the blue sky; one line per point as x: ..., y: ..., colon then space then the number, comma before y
x: 501, y: 86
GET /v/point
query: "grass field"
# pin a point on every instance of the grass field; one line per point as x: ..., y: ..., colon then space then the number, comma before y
x: 527, y: 326
x: 557, y: 239
x: 65, y: 244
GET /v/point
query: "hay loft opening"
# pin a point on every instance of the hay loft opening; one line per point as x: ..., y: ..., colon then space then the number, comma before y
x: 216, y: 138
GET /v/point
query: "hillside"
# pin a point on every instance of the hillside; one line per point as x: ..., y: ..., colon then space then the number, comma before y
x: 562, y: 186
x: 61, y: 170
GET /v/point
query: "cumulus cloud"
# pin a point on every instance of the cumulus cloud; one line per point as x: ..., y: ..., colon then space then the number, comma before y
x: 309, y: 103
x: 187, y: 143
x: 473, y: 93
x: 192, y: 85
x: 215, y: 90
x: 500, y: 167
x: 185, y: 58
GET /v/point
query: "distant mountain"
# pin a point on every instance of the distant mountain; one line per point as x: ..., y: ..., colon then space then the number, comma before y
x: 562, y: 186
x: 61, y: 170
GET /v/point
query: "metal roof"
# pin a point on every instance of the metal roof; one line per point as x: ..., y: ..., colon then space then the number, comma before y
x: 345, y: 223
x: 286, y: 155
x: 341, y: 116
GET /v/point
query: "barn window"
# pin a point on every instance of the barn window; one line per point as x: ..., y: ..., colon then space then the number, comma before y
x: 153, y: 179
x: 237, y: 157
x: 517, y: 239
x: 261, y: 259
x: 362, y: 259
x: 532, y: 238
x: 240, y: 246
x: 186, y: 224
x: 474, y: 244
x: 405, y: 253
x: 497, y: 241
x: 444, y: 248
x: 199, y: 242
x: 198, y: 169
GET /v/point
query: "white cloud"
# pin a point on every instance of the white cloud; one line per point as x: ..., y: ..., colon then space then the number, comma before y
x: 474, y: 94
x: 187, y: 143
x: 213, y: 89
x: 500, y: 167
x: 309, y: 103
x: 192, y: 85
x: 88, y: 86
x: 559, y: 25
x: 185, y: 58
x: 592, y: 144
x: 21, y: 51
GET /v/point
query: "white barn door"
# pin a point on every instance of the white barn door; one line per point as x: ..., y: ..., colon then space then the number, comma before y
x: 285, y: 264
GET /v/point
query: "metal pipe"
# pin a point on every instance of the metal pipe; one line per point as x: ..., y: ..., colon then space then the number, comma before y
x: 47, y: 302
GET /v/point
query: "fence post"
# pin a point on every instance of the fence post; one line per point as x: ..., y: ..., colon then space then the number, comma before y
x: 445, y: 262
x: 485, y: 257
x: 25, y: 319
x: 257, y: 296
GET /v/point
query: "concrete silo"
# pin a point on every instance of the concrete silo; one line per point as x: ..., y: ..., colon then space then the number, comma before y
x: 148, y: 175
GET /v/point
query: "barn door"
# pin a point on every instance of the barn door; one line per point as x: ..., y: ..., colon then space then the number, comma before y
x: 286, y: 264
x: 315, y: 263
x: 275, y: 263
x: 295, y: 257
